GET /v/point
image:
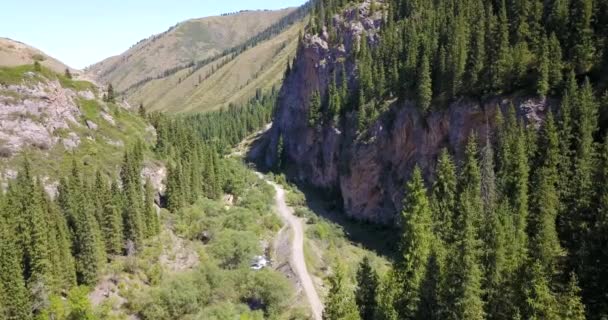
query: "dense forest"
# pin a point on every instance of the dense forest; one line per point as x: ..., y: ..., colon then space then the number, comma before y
x: 50, y: 245
x: 517, y: 228
x: 53, y: 247
x: 434, y: 52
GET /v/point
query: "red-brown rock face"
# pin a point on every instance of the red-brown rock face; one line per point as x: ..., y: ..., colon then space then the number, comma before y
x: 369, y: 170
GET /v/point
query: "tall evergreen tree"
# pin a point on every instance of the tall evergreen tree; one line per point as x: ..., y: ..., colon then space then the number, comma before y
x: 340, y: 303
x: 367, y: 289
x: 150, y: 214
x: 15, y: 304
x: 444, y: 200
x: 464, y: 299
x: 416, y: 242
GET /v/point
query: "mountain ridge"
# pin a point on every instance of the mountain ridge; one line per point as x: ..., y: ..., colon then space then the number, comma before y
x: 188, y: 41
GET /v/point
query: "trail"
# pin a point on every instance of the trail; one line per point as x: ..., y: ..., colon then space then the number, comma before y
x: 297, y: 261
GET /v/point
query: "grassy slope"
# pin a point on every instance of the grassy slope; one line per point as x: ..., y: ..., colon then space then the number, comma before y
x: 192, y: 40
x: 96, y: 148
x: 332, y: 238
x: 259, y: 67
x: 14, y: 53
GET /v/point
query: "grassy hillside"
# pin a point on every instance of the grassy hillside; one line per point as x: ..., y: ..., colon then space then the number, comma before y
x: 233, y: 79
x: 14, y: 53
x: 189, y: 41
x: 50, y: 119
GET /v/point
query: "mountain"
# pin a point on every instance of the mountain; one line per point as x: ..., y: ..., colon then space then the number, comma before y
x: 187, y: 42
x: 232, y: 79
x: 14, y: 53
x: 48, y: 118
x: 477, y: 131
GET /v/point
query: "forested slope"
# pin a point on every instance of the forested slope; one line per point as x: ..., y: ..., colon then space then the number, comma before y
x: 81, y: 233
x: 488, y: 112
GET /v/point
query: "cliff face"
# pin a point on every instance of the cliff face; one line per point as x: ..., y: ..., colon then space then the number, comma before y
x: 369, y: 170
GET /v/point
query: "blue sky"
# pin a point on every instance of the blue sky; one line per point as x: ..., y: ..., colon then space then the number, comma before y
x: 82, y: 32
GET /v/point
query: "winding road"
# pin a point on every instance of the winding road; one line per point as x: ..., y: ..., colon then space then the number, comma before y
x: 297, y: 261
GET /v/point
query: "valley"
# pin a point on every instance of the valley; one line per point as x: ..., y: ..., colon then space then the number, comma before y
x: 336, y: 160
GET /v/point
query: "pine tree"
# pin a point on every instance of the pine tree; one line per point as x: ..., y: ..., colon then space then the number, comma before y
x: 425, y: 90
x: 543, y: 80
x: 142, y: 111
x: 62, y: 259
x: 367, y: 288
x: 583, y: 48
x: 572, y: 305
x: 340, y: 304
x: 88, y: 246
x: 175, y: 198
x: 541, y: 301
x: 464, y: 299
x: 15, y: 304
x: 110, y: 94
x: 501, y: 66
x: 545, y: 244
x: 41, y: 276
x: 444, y: 198
x: 416, y: 242
x: 151, y: 216
x: 112, y: 224
x: 388, y: 294
x: 314, y: 111
x: 555, y: 62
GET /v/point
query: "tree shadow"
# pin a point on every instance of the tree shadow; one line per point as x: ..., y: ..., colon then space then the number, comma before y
x: 383, y: 240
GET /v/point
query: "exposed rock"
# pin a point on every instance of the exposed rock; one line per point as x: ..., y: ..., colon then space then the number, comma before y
x: 92, y: 125
x: 87, y: 95
x: 369, y: 171
x: 50, y: 187
x: 72, y: 141
x: 115, y: 143
x: 107, y: 117
x: 33, y: 115
x: 156, y: 173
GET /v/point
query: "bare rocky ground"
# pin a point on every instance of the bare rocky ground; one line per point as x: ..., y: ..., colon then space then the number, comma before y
x: 33, y: 116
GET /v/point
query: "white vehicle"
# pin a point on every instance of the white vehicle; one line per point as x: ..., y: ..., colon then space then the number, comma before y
x: 259, y: 263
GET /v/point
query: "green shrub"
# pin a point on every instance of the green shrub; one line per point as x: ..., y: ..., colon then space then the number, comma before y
x: 269, y: 289
x: 234, y: 248
x: 296, y: 198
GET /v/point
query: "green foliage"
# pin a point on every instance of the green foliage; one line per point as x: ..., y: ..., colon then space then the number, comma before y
x: 415, y: 244
x: 314, y: 111
x: 367, y: 289
x: 340, y: 303
x: 79, y: 304
x: 235, y: 249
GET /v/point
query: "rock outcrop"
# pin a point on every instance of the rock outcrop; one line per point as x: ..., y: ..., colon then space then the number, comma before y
x: 368, y: 170
x: 32, y: 115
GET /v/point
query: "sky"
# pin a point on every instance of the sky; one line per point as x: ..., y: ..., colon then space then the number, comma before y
x: 82, y: 32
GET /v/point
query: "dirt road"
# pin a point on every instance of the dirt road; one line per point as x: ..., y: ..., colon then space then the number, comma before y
x: 297, y: 260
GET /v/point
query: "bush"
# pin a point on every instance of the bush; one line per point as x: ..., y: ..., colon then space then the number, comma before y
x: 303, y: 212
x: 268, y: 289
x: 235, y: 248
x: 296, y: 198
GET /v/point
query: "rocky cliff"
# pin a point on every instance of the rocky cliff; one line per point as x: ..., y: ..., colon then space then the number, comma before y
x: 369, y: 169
x: 50, y: 118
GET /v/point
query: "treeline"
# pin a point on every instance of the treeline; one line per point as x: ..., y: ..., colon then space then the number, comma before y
x: 437, y: 51
x: 194, y: 146
x: 230, y: 126
x: 517, y: 230
x: 273, y: 30
x: 49, y: 246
